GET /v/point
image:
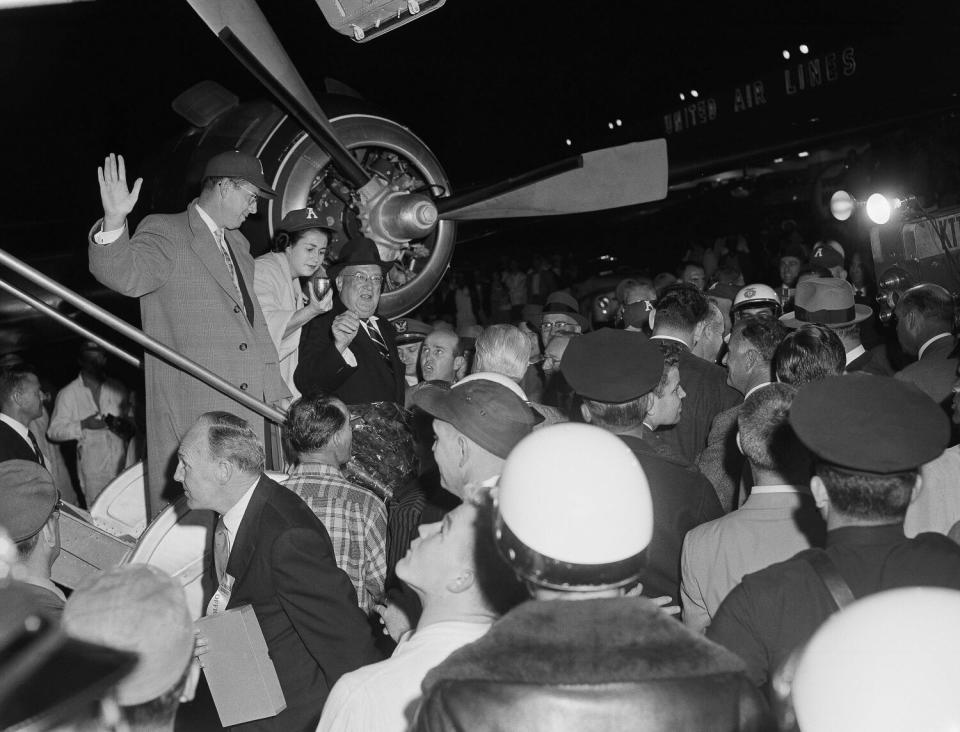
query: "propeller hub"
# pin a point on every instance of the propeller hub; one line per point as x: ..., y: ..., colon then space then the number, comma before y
x: 397, y: 217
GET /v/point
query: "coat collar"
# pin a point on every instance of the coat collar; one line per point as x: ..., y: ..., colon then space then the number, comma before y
x: 245, y: 543
x: 206, y: 249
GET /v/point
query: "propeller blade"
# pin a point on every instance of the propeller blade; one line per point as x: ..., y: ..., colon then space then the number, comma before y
x: 244, y: 30
x: 617, y: 176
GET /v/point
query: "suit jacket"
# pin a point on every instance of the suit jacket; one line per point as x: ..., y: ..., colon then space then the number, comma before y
x: 188, y: 302
x: 867, y: 363
x: 13, y: 446
x: 707, y: 394
x: 323, y: 369
x: 283, y: 564
x: 936, y: 372
x: 768, y: 528
x: 682, y: 499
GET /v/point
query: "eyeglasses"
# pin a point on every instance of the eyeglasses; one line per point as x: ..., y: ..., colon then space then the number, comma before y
x: 362, y: 278
x: 560, y: 327
x: 57, y: 508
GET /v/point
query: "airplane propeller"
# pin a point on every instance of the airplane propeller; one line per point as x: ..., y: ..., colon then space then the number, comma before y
x: 611, y: 178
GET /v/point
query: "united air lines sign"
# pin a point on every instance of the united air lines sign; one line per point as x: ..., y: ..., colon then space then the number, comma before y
x: 811, y: 72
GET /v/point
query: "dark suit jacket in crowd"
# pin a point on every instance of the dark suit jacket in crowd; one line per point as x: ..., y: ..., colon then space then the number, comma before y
x: 321, y: 367
x: 682, y: 498
x: 283, y: 564
x: 708, y: 394
x: 936, y: 372
x: 721, y: 461
x: 13, y: 446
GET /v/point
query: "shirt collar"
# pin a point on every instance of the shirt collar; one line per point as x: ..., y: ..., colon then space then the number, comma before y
x: 211, y: 224
x: 758, y: 386
x: 21, y: 429
x: 855, y: 353
x: 866, y: 535
x: 761, y: 489
x: 671, y: 338
x: 233, y: 517
x: 930, y: 341
x: 314, y: 468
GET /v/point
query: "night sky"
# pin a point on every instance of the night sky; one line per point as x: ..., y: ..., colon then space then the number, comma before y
x: 493, y: 88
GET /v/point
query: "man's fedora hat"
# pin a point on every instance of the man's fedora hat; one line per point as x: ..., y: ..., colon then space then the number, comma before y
x: 357, y: 253
x: 826, y: 301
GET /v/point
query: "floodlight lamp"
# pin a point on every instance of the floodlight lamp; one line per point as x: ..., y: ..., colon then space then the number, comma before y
x: 879, y: 208
x: 842, y: 205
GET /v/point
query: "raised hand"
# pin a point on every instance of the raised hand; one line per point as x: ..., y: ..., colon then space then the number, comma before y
x: 345, y: 327
x: 118, y: 200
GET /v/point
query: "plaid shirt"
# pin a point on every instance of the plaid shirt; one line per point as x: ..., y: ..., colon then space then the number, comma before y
x: 356, y: 521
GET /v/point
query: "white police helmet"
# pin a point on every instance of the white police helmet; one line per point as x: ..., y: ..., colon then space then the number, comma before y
x: 574, y: 509
x: 756, y: 296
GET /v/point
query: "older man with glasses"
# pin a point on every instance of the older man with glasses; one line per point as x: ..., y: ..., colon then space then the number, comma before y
x: 350, y: 352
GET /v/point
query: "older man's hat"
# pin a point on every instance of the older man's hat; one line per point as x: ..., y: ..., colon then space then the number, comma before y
x: 869, y: 424
x: 826, y: 301
x: 410, y: 330
x: 612, y: 366
x: 27, y: 498
x: 488, y: 413
x: 302, y: 219
x: 236, y: 164
x: 357, y: 252
x: 563, y: 303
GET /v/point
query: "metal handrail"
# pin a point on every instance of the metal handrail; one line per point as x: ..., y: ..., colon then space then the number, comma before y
x: 138, y: 336
x: 64, y: 320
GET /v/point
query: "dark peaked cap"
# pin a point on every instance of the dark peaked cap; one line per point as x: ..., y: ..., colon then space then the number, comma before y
x: 612, y: 366
x: 869, y: 424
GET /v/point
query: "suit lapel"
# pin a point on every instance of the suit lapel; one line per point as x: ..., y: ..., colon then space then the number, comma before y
x: 206, y: 249
x: 246, y: 542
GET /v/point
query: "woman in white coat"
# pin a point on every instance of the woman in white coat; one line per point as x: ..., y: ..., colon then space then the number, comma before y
x: 299, y: 249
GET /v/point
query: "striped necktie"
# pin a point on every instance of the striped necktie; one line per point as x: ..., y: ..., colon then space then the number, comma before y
x: 377, y: 339
x: 221, y: 557
x: 228, y: 260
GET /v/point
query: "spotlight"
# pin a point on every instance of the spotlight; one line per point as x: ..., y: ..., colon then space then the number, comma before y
x: 569, y: 142
x: 804, y: 48
x: 683, y: 97
x: 610, y: 125
x: 841, y: 205
x: 786, y: 55
x: 619, y: 123
x: 803, y: 154
x: 879, y: 208
x: 694, y: 93
x: 778, y: 160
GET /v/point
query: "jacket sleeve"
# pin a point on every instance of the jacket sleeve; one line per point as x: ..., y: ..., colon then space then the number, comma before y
x: 269, y: 286
x: 133, y: 266
x: 695, y: 615
x: 66, y: 418
x: 321, y: 366
x: 735, y: 628
x: 319, y: 599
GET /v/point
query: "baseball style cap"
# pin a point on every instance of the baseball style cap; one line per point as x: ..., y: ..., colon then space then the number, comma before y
x: 236, y: 164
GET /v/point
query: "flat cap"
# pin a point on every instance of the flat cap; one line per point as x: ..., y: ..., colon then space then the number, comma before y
x: 138, y: 608
x: 27, y: 498
x: 612, y: 366
x: 870, y: 424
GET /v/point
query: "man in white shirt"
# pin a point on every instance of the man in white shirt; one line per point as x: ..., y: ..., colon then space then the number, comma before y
x: 93, y: 410
x: 442, y: 567
x: 193, y: 273
x: 778, y: 520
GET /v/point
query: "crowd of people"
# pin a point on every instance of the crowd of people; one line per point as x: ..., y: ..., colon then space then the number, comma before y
x: 635, y: 524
